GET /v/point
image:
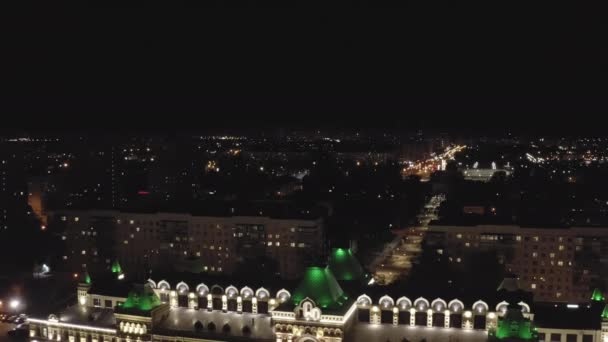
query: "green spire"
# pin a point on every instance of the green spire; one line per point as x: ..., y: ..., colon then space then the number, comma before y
x: 597, y: 296
x: 142, y: 297
x: 344, y: 265
x: 605, y: 312
x: 87, y: 277
x: 320, y: 285
x: 116, y: 267
x: 514, y: 326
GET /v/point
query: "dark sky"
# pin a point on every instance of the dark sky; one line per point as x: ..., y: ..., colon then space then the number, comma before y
x: 474, y: 65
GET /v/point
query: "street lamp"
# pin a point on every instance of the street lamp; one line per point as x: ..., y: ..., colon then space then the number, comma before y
x: 14, y: 304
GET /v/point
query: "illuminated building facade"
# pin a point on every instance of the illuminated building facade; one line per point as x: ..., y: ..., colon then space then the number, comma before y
x: 555, y: 264
x: 318, y: 309
x: 144, y: 241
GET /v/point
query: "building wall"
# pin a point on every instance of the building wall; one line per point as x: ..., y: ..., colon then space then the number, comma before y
x: 568, y: 335
x: 556, y: 265
x: 212, y: 244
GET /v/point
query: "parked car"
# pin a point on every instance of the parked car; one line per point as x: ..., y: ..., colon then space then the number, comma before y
x: 19, y: 320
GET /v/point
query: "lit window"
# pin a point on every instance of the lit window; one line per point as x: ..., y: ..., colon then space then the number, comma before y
x: 126, y: 242
x: 63, y: 218
x: 561, y: 247
x: 560, y: 263
x: 278, y: 244
x: 552, y: 255
x: 536, y: 238
x: 76, y: 219
x: 301, y: 245
x: 219, y: 269
x: 84, y: 252
x: 277, y: 236
x: 269, y: 243
x: 534, y: 254
x: 198, y: 254
x: 440, y: 251
x: 518, y: 238
x: 293, y: 244
x: 459, y: 236
x: 467, y: 244
x: 293, y: 229
x: 131, y: 222
x: 458, y: 259
x: 533, y: 286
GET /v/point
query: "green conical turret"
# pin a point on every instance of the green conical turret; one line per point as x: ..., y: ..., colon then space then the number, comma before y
x: 605, y: 312
x: 320, y: 285
x: 344, y: 265
x: 116, y: 267
x: 597, y: 295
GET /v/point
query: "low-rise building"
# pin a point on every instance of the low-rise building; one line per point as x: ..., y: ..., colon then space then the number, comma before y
x: 317, y: 309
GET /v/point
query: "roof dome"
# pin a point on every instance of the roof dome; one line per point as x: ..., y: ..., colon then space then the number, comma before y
x: 344, y: 265
x: 320, y: 285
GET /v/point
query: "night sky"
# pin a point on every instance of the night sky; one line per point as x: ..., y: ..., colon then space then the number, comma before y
x: 475, y: 66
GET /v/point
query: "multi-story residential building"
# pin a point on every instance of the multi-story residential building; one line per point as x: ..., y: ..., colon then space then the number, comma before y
x: 216, y: 244
x: 555, y: 264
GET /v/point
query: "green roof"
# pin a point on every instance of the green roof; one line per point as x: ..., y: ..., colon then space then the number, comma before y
x: 142, y: 298
x: 116, y: 267
x: 320, y: 285
x: 605, y: 312
x: 513, y: 326
x: 345, y: 265
x: 597, y: 295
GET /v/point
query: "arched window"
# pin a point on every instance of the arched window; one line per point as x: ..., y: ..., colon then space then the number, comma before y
x: 456, y: 306
x: 439, y: 305
x: 198, y: 326
x: 386, y: 302
x: 421, y: 304
x: 182, y: 288
x: 164, y: 285
x: 364, y: 300
x: 202, y: 290
x: 404, y: 303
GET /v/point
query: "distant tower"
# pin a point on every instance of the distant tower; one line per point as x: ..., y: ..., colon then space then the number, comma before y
x: 84, y: 285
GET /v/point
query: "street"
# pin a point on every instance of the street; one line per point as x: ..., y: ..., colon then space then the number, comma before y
x: 4, y: 329
x: 397, y: 257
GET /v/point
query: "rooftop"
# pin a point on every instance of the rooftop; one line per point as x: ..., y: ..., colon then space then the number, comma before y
x: 583, y: 317
x: 181, y: 321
